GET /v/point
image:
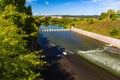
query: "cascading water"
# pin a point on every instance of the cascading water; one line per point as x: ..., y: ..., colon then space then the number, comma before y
x: 103, y: 59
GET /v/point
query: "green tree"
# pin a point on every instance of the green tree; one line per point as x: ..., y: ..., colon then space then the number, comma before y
x: 20, y: 4
x: 103, y: 16
x: 17, y: 30
x: 118, y: 12
x: 28, y: 10
x: 45, y: 20
x: 112, y: 14
x: 16, y: 62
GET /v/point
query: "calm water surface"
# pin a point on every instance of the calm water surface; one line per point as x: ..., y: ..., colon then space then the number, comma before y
x: 70, y: 40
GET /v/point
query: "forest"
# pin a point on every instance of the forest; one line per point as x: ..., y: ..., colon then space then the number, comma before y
x: 19, y: 57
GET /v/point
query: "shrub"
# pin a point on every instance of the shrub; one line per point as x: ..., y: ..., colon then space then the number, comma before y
x: 114, y: 32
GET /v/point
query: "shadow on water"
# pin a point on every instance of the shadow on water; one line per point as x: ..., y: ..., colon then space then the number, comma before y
x: 53, y: 54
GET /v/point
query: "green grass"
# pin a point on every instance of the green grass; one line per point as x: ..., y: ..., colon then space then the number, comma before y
x: 103, y: 27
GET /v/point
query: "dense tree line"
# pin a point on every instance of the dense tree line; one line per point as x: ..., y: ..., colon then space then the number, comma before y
x: 18, y: 31
x: 110, y: 14
x: 47, y: 20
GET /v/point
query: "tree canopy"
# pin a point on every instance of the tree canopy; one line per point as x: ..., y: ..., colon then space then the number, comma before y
x: 111, y: 14
x: 17, y: 34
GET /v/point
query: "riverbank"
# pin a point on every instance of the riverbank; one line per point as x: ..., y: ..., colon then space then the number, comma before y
x: 108, y: 40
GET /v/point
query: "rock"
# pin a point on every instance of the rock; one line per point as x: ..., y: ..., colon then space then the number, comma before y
x: 65, y: 53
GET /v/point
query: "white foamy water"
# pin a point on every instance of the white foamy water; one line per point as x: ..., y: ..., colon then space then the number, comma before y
x: 99, y: 56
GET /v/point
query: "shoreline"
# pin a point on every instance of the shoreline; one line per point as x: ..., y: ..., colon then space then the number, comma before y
x: 108, y: 40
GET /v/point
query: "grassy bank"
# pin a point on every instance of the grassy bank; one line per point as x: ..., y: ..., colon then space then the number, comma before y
x: 104, y: 27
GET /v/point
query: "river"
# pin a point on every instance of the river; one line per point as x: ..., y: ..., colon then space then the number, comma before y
x: 72, y: 41
x: 86, y: 47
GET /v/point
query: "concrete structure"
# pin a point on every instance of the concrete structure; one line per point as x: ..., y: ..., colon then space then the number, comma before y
x: 60, y: 17
x: 111, y: 41
x: 53, y: 30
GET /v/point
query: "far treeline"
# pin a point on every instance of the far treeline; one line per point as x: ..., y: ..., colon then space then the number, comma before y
x: 108, y: 23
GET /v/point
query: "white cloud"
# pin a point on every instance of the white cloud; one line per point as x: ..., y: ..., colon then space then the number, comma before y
x: 98, y: 0
x: 68, y: 3
x: 115, y: 5
x: 30, y: 0
x: 94, y: 0
x: 46, y: 2
x: 36, y: 13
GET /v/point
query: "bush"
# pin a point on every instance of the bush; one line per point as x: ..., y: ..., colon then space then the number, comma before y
x: 114, y: 32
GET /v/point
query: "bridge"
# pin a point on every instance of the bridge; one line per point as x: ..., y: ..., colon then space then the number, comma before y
x: 53, y: 30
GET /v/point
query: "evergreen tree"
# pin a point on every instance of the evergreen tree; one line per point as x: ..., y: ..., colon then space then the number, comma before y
x: 28, y: 10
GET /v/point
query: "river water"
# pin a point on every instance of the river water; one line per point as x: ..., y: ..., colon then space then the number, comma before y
x: 70, y: 40
x: 82, y: 45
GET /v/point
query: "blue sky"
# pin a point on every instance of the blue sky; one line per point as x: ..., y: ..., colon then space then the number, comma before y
x: 72, y: 7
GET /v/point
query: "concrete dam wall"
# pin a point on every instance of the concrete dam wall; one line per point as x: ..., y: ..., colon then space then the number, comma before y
x: 111, y: 41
